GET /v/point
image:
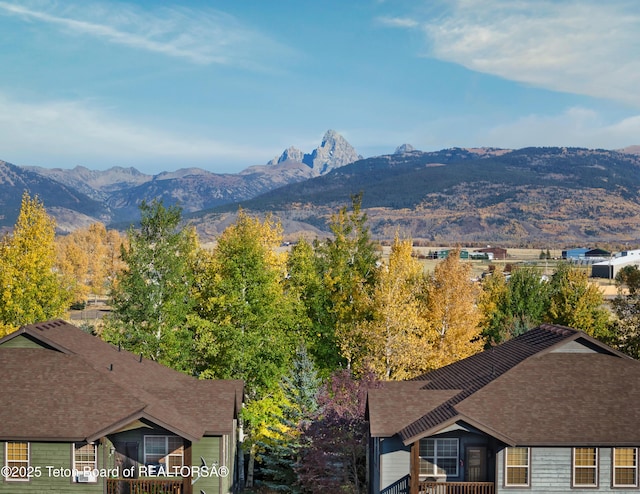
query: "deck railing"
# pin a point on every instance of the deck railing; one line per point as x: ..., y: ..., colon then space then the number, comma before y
x: 456, y: 488
x: 144, y: 486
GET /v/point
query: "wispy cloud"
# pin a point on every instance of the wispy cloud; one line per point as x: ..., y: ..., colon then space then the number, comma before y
x: 67, y: 133
x: 402, y: 22
x: 196, y: 36
x: 584, y: 47
x: 577, y: 126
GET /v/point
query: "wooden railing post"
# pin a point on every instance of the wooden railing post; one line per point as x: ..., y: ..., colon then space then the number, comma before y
x: 186, y: 481
x: 414, y: 468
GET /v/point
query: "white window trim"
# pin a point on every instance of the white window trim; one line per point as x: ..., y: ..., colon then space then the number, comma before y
x: 78, y: 471
x: 166, y: 442
x: 596, y: 467
x: 435, y: 457
x: 614, y: 468
x: 6, y: 462
x: 507, y: 466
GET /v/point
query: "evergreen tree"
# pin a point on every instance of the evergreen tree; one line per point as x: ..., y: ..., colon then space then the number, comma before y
x: 348, y: 263
x: 281, y: 457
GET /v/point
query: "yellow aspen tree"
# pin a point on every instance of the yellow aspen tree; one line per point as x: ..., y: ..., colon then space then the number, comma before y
x: 394, y: 335
x: 452, y: 314
x: 30, y: 289
x: 73, y: 263
x: 85, y: 257
x: 97, y: 250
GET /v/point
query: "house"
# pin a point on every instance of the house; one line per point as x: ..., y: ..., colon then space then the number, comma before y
x: 550, y: 411
x: 496, y: 252
x: 78, y: 415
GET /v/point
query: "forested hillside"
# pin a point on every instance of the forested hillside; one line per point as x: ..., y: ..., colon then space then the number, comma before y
x: 543, y: 195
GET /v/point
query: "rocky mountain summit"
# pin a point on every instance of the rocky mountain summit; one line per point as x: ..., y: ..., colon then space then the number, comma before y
x: 404, y: 148
x: 548, y: 195
x: 334, y: 151
x: 112, y: 196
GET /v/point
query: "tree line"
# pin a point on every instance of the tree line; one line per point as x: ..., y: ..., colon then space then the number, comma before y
x: 307, y: 329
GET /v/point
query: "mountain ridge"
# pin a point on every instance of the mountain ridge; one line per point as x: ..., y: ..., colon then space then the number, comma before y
x: 546, y: 194
x: 120, y: 190
x: 571, y: 195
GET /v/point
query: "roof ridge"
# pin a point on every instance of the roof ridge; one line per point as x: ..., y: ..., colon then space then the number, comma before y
x: 514, y: 351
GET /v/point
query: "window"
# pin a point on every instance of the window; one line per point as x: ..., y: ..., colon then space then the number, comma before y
x: 516, y: 467
x: 85, y: 460
x: 625, y: 467
x: 585, y: 467
x: 164, y: 450
x: 439, y: 457
x: 16, y: 458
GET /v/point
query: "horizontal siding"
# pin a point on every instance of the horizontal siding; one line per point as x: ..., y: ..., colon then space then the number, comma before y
x: 551, y: 472
x: 55, y: 455
x: 395, y: 461
x: 20, y: 342
x: 208, y: 449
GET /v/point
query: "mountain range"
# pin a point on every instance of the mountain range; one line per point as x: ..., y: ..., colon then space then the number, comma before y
x: 525, y: 196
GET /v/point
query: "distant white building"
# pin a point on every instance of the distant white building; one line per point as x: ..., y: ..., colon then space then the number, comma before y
x: 610, y: 268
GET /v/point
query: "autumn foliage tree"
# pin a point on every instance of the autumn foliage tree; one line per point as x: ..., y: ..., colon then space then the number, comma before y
x: 89, y: 259
x: 250, y: 325
x: 30, y: 289
x: 394, y: 336
x: 625, y: 334
x: 451, y: 314
x: 305, y: 283
x: 334, y: 458
x: 511, y: 308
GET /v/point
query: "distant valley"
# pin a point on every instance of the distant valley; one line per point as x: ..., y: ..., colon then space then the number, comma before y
x: 532, y: 196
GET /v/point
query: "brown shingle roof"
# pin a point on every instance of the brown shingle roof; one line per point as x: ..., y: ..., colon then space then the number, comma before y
x: 386, y: 419
x: 567, y: 399
x: 471, y: 382
x: 178, y: 402
x: 52, y: 396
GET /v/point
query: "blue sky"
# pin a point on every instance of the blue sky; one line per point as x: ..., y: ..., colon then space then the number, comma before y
x: 224, y: 85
